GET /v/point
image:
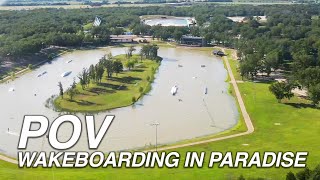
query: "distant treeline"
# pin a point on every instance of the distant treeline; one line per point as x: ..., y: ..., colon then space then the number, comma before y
x: 288, y: 39
x: 36, y: 4
x: 105, y: 2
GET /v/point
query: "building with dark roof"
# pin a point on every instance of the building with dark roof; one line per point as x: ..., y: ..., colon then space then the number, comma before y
x: 192, y: 41
x: 122, y: 38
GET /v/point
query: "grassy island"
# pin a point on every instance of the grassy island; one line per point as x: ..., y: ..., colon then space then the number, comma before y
x: 118, y: 90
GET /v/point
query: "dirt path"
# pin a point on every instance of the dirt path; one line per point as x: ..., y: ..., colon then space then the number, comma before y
x: 4, y: 158
x: 246, y: 117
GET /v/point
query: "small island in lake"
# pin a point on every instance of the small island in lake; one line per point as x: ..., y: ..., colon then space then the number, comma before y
x: 116, y: 81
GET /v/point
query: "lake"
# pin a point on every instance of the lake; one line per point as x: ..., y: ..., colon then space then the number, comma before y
x: 189, y: 114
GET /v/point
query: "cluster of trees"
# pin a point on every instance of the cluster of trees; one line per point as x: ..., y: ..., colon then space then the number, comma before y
x: 305, y: 174
x: 94, y: 74
x: 149, y: 52
x: 24, y: 32
x: 288, y: 40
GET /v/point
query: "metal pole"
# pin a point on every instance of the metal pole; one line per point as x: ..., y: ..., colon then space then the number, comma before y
x: 156, y: 124
x: 156, y: 138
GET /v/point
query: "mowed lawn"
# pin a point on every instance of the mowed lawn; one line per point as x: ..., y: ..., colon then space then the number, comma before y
x: 299, y: 130
x: 113, y: 92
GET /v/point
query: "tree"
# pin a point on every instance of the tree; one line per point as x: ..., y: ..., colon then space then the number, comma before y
x: 302, y: 61
x: 92, y: 72
x: 74, y: 84
x: 117, y: 66
x: 314, y: 94
x: 149, y: 51
x: 154, y: 51
x: 117, y: 31
x: 271, y: 62
x: 72, y: 93
x: 130, y: 64
x: 60, y: 89
x: 241, y: 178
x: 141, y: 90
x: 177, y: 35
x: 84, y: 78
x: 250, y: 66
x: 141, y: 53
x: 290, y: 176
x: 109, y: 67
x: 309, y: 76
x: 130, y: 51
x: 281, y: 90
x: 99, y: 71
x: 134, y: 99
x: 304, y: 174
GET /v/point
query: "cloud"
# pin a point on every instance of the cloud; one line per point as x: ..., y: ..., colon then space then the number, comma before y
x: 2, y: 1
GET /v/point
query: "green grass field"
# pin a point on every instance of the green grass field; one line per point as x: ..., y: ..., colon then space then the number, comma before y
x: 299, y: 131
x: 112, y: 92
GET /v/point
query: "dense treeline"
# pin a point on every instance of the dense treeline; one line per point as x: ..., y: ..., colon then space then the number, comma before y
x: 305, y: 174
x: 288, y: 40
x: 24, y: 32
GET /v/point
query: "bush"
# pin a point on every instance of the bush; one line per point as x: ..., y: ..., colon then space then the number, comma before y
x: 140, y: 89
x: 134, y: 99
x: 13, y: 75
x: 50, y: 56
x: 30, y: 66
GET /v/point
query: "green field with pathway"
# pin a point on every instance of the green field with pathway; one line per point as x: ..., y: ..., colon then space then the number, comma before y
x: 298, y: 131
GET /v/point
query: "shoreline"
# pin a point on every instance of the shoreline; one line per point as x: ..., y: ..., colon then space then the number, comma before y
x: 151, y: 66
x: 244, y: 121
x: 71, y: 49
x: 34, y: 66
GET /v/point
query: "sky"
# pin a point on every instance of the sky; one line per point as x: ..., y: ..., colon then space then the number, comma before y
x: 2, y: 1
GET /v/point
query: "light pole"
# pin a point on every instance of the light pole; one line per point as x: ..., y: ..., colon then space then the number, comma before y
x: 156, y: 124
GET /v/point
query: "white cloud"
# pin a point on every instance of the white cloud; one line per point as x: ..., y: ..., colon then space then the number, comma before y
x: 2, y: 1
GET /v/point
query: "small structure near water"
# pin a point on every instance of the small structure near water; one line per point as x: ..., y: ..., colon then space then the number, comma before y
x: 193, y: 41
x: 218, y: 53
x: 122, y: 38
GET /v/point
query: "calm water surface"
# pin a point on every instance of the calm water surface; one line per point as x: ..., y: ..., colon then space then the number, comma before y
x: 195, y: 115
x: 167, y: 22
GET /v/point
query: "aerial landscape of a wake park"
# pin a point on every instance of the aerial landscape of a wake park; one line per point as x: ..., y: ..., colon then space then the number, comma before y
x: 218, y: 89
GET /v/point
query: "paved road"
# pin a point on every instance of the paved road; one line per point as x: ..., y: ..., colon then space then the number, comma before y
x: 246, y: 117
